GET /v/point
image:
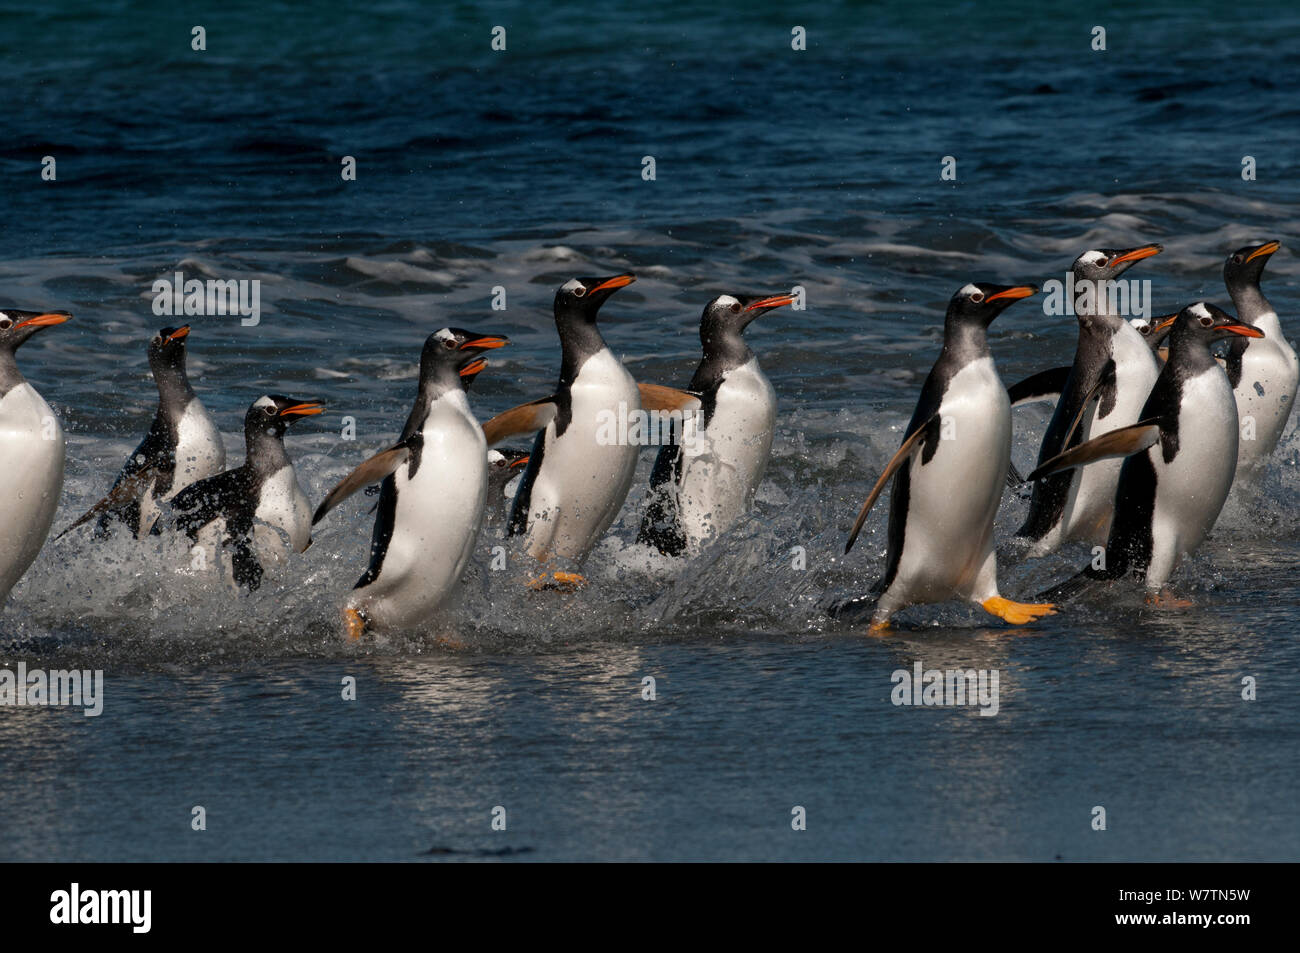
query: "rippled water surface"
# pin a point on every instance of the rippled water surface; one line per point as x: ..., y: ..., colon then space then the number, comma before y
x: 522, y: 169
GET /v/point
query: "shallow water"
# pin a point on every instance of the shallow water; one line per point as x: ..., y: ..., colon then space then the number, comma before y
x: 523, y: 169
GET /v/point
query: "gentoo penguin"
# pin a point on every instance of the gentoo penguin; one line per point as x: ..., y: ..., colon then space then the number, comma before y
x: 503, y: 466
x: 253, y: 508
x: 434, y: 488
x: 581, y: 467
x: 182, y: 447
x: 1263, y: 372
x: 1113, y: 372
x: 31, y: 451
x: 950, y: 472
x: 1181, y: 456
x: 701, y: 486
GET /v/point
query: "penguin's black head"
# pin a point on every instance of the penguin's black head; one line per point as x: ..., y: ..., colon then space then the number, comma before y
x: 581, y: 298
x: 273, y: 413
x: 1154, y: 330
x: 1208, y: 323
x: 17, y: 326
x: 977, y: 304
x: 454, y: 352
x: 167, y: 347
x: 1245, y: 266
x: 1099, y: 264
x: 505, y: 464
x: 731, y: 314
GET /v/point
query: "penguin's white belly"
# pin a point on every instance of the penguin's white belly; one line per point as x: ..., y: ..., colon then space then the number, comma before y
x: 723, y: 466
x: 436, y: 522
x: 199, y: 455
x: 1091, y: 503
x: 283, y: 515
x: 953, y: 499
x: 586, y: 472
x: 1264, y: 395
x: 31, y: 475
x: 1191, y: 489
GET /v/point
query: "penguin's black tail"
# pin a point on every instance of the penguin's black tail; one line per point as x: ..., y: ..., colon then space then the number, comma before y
x: 859, y: 608
x: 1079, y: 584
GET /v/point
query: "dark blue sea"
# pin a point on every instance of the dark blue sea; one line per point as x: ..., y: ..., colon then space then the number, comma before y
x: 774, y: 167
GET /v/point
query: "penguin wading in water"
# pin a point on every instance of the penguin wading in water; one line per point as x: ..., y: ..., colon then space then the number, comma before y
x: 504, y: 465
x: 31, y: 451
x: 252, y: 510
x: 580, y: 470
x: 182, y: 447
x: 432, y: 495
x: 1181, y: 457
x: 948, y: 476
x: 1264, y: 371
x: 700, y: 486
x: 1113, y: 372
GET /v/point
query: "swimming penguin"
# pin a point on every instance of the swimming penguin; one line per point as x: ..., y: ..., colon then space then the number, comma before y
x: 1181, y: 456
x: 950, y: 472
x: 702, y: 483
x: 1263, y: 372
x: 31, y: 451
x: 254, y: 508
x: 581, y: 466
x: 182, y: 447
x: 504, y: 465
x: 1113, y: 372
x: 434, y: 487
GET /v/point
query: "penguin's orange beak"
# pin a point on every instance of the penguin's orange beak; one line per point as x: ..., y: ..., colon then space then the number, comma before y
x: 45, y: 320
x: 179, y: 333
x: 1019, y: 291
x: 1245, y: 330
x: 309, y: 408
x: 521, y: 462
x: 1163, y: 325
x: 473, y: 367
x: 486, y: 342
x: 611, y: 284
x: 1266, y: 249
x: 776, y: 301
x: 1136, y: 254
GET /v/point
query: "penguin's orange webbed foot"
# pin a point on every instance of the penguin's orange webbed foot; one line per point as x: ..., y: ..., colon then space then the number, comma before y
x: 878, y: 630
x: 354, y: 623
x: 1165, y: 599
x: 560, y: 581
x: 1017, y: 613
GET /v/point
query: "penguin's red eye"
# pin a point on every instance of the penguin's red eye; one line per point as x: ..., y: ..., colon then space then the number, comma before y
x: 449, y: 344
x: 269, y: 410
x: 5, y: 324
x: 1236, y: 259
x: 579, y: 291
x: 735, y: 309
x: 1207, y: 322
x: 977, y: 297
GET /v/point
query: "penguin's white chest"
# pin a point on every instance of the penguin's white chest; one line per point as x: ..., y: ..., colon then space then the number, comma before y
x: 436, y: 519
x: 1091, y: 506
x: 1266, y: 392
x: 587, y: 470
x: 282, y: 507
x: 31, y: 478
x: 723, y: 465
x: 953, y: 498
x: 1191, y: 488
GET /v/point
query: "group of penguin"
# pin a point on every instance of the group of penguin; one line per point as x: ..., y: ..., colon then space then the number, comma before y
x: 1139, y: 456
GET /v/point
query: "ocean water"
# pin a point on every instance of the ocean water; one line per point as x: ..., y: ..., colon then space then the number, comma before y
x: 521, y: 169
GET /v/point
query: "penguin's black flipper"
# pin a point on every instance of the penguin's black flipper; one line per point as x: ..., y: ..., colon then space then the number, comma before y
x: 1014, y: 479
x: 1080, y: 583
x: 223, y: 495
x: 246, y: 567
x: 127, y: 490
x: 1045, y: 385
x: 526, y: 418
x: 1122, y: 442
x: 1104, y: 379
x: 659, y: 527
x: 857, y: 609
x: 660, y: 397
x: 373, y: 470
x: 910, y: 445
